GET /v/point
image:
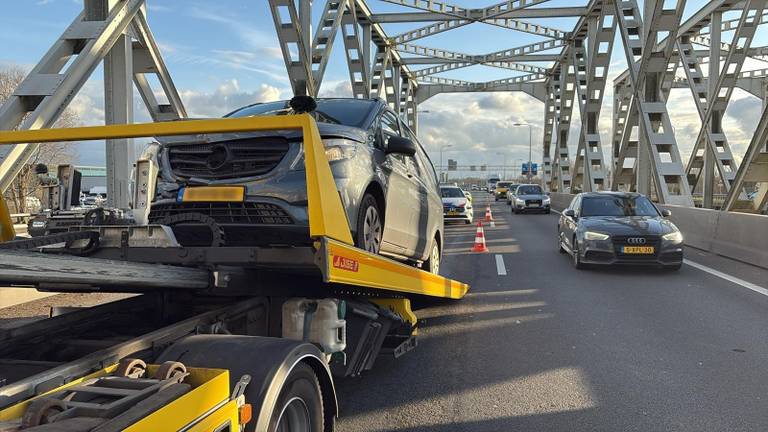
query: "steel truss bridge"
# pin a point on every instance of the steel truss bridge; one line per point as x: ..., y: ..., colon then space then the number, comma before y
x: 405, y: 70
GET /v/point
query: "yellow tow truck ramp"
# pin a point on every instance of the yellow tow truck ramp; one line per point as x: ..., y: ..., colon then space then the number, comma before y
x: 341, y: 261
x: 223, y: 332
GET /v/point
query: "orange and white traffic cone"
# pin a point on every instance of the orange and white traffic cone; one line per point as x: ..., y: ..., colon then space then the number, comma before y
x: 479, y: 239
x: 488, y: 215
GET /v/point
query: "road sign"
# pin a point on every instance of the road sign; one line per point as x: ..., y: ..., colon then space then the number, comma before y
x: 534, y: 169
x: 452, y: 164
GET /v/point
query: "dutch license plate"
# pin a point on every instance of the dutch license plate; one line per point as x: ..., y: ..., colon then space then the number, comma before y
x: 638, y: 250
x: 452, y: 213
x: 214, y: 194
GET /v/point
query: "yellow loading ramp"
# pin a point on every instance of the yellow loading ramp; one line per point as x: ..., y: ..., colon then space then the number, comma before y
x: 207, y: 407
x: 339, y: 260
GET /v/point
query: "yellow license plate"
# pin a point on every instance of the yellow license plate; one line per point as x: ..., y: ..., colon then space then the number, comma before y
x: 638, y: 249
x: 452, y: 213
x: 214, y: 194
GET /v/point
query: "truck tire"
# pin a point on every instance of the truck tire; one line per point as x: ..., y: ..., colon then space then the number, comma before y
x: 300, y: 404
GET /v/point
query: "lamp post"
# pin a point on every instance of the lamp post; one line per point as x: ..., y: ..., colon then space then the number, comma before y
x: 441, y: 158
x: 530, y: 147
x: 503, y: 167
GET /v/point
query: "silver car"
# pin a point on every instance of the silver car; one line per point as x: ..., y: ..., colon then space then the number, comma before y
x: 385, y: 180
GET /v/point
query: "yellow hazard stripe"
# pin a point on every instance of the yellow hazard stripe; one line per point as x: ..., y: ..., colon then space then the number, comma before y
x: 349, y: 265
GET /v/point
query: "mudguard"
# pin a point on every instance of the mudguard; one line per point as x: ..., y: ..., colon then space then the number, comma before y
x: 267, y: 360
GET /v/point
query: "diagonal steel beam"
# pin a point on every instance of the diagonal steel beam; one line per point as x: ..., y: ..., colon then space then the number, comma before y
x: 722, y: 90
x: 324, y: 38
x: 49, y: 88
x: 753, y: 169
x: 290, y: 33
x: 657, y: 137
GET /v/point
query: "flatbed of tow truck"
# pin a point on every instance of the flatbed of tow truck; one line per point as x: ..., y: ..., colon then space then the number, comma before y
x: 222, y: 313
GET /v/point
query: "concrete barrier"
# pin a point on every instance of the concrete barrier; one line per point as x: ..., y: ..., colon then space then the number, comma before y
x: 559, y: 201
x: 740, y: 236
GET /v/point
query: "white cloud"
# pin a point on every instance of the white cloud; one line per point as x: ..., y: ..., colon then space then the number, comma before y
x: 331, y: 89
x: 227, y: 97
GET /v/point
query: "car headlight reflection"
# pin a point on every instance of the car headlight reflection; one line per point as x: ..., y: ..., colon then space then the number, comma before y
x: 673, y: 237
x: 591, y: 235
x: 336, y: 149
x: 339, y: 149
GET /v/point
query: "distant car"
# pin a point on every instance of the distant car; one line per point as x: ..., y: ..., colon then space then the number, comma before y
x: 456, y: 205
x: 501, y: 190
x: 618, y: 228
x: 530, y: 197
x: 491, y: 184
x: 474, y: 187
x: 510, y: 192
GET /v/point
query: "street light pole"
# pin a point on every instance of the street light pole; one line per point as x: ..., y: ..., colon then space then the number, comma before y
x: 441, y: 158
x: 503, y: 167
x: 530, y: 148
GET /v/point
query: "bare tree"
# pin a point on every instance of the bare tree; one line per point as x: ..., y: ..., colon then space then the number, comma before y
x: 26, y: 184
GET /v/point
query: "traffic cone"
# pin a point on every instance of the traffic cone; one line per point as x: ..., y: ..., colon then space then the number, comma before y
x: 488, y: 216
x: 479, y: 239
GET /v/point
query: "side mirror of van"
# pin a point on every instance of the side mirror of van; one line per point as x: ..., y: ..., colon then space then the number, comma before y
x: 397, y: 144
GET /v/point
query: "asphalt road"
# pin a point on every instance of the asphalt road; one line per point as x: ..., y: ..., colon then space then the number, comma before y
x: 550, y: 348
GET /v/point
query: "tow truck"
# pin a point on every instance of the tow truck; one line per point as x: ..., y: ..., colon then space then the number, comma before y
x: 215, y: 338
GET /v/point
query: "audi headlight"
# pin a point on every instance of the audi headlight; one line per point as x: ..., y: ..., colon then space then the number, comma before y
x: 339, y: 149
x: 519, y: 201
x: 546, y: 200
x: 673, y: 237
x: 591, y: 235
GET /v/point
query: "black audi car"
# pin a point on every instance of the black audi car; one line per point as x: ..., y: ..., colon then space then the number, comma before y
x: 618, y: 228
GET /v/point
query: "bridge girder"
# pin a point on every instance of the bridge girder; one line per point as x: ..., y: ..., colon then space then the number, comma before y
x: 566, y: 67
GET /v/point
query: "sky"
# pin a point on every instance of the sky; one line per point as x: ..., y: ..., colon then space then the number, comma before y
x: 224, y: 54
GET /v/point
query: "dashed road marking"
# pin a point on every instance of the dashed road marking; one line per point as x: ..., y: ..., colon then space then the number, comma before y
x: 500, y: 268
x: 729, y: 278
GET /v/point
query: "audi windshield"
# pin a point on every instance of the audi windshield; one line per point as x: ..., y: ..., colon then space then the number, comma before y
x: 619, y: 206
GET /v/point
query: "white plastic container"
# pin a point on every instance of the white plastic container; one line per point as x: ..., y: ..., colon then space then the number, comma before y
x: 325, y: 328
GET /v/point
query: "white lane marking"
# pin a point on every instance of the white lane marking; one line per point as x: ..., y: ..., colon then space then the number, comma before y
x: 556, y: 211
x: 729, y: 278
x: 500, y: 269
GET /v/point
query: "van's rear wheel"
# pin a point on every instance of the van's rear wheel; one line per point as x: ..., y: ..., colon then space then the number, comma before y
x: 299, y: 407
x: 432, y: 264
x: 370, y: 225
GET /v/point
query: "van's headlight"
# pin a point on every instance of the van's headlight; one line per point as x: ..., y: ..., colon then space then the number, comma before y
x: 591, y: 235
x: 673, y: 237
x: 337, y: 149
